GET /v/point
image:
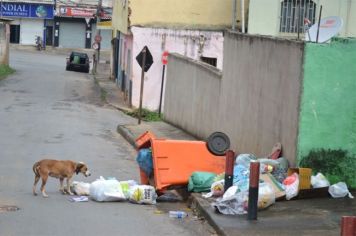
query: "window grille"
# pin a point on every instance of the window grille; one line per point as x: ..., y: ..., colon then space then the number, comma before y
x: 293, y: 13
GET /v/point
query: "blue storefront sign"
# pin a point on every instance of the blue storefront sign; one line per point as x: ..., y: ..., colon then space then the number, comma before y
x: 26, y: 10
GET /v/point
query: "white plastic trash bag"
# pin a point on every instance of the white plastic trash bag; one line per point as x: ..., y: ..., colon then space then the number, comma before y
x: 292, y: 186
x: 266, y: 196
x: 339, y: 190
x: 216, y: 189
x: 319, y: 181
x: 103, y: 190
x: 80, y: 188
x: 232, y: 203
x: 143, y: 194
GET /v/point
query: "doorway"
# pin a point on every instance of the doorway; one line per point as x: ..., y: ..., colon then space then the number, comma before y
x: 15, y: 34
x: 49, y: 35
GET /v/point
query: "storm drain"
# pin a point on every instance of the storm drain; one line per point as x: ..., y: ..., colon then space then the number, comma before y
x: 8, y: 208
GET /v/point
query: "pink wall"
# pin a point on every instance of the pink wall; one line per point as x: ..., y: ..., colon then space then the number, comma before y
x: 184, y: 42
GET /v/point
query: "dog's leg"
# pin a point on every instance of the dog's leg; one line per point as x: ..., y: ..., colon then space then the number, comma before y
x: 68, y: 186
x: 37, y: 178
x: 44, y: 180
x: 61, y: 187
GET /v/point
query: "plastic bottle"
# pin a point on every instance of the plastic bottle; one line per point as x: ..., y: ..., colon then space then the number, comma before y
x: 177, y: 214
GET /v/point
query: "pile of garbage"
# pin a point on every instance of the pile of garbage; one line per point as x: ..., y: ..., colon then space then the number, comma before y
x: 277, y: 181
x: 112, y: 190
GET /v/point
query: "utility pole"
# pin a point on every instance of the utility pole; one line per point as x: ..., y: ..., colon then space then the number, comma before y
x: 234, y: 3
x: 98, y: 31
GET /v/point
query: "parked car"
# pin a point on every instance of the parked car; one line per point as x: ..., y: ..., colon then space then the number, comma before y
x: 78, y: 61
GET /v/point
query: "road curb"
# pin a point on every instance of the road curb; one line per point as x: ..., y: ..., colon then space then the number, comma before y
x: 125, y: 132
x: 201, y: 208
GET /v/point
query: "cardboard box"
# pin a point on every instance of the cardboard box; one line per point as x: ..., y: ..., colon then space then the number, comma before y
x: 304, y: 176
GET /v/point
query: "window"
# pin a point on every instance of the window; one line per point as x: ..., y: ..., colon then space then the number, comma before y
x: 210, y: 60
x: 293, y: 13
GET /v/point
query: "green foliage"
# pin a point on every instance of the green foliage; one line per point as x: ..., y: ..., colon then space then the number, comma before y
x: 146, y: 115
x: 336, y: 165
x: 5, y: 70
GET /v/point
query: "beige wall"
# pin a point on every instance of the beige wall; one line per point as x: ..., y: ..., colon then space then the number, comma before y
x: 120, y: 16
x: 192, y: 95
x: 256, y: 102
x: 192, y: 14
x: 264, y: 16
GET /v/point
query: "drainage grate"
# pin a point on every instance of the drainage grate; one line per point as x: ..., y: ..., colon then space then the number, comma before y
x: 8, y: 208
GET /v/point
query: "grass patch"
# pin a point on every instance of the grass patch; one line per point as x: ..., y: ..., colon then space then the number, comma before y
x: 5, y: 70
x: 336, y: 165
x: 103, y: 94
x: 146, y: 115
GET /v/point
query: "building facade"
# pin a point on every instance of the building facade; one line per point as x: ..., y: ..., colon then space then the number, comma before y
x: 191, y: 28
x: 286, y: 17
x: 76, y: 27
x: 29, y: 19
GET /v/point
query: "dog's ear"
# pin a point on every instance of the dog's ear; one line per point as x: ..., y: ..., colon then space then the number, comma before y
x: 78, y: 167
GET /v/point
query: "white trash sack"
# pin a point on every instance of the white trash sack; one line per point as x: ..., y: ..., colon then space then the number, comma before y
x: 292, y: 186
x: 319, y: 181
x: 103, y: 190
x: 80, y: 188
x: 339, y: 190
x: 143, y: 194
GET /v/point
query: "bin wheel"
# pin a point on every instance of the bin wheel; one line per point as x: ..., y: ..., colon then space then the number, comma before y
x: 218, y: 143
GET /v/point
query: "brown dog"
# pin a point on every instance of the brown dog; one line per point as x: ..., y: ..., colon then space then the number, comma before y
x: 59, y: 170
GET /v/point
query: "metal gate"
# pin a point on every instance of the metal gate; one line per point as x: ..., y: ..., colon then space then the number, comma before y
x: 72, y: 34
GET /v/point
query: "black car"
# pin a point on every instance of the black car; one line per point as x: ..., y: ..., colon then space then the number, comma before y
x: 78, y: 61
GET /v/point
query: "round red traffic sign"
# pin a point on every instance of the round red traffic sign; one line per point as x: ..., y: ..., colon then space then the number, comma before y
x: 165, y: 57
x: 98, y: 38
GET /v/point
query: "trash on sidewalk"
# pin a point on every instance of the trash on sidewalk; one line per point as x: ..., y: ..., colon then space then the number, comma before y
x: 216, y: 189
x: 79, y: 199
x: 143, y: 194
x: 169, y: 196
x: 178, y: 214
x: 339, y: 190
x: 278, y: 188
x: 109, y: 190
x: 319, y: 181
x: 292, y: 186
x: 144, y: 160
x: 174, y: 161
x: 200, y: 181
x: 80, y: 188
x: 266, y: 196
x: 232, y: 202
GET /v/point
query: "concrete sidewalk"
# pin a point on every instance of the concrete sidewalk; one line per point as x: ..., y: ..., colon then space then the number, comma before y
x: 319, y: 216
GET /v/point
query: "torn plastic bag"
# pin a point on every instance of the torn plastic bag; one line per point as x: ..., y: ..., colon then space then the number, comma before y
x: 80, y: 188
x: 103, y: 190
x: 245, y: 159
x: 235, y: 204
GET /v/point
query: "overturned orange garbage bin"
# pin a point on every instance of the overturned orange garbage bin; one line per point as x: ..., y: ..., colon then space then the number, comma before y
x: 174, y: 161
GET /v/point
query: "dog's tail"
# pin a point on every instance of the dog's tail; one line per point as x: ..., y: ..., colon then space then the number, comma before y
x: 35, y: 168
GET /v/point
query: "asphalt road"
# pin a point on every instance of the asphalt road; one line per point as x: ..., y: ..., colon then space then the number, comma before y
x: 46, y: 111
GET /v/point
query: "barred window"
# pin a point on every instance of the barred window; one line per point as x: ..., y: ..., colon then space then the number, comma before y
x: 293, y: 13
